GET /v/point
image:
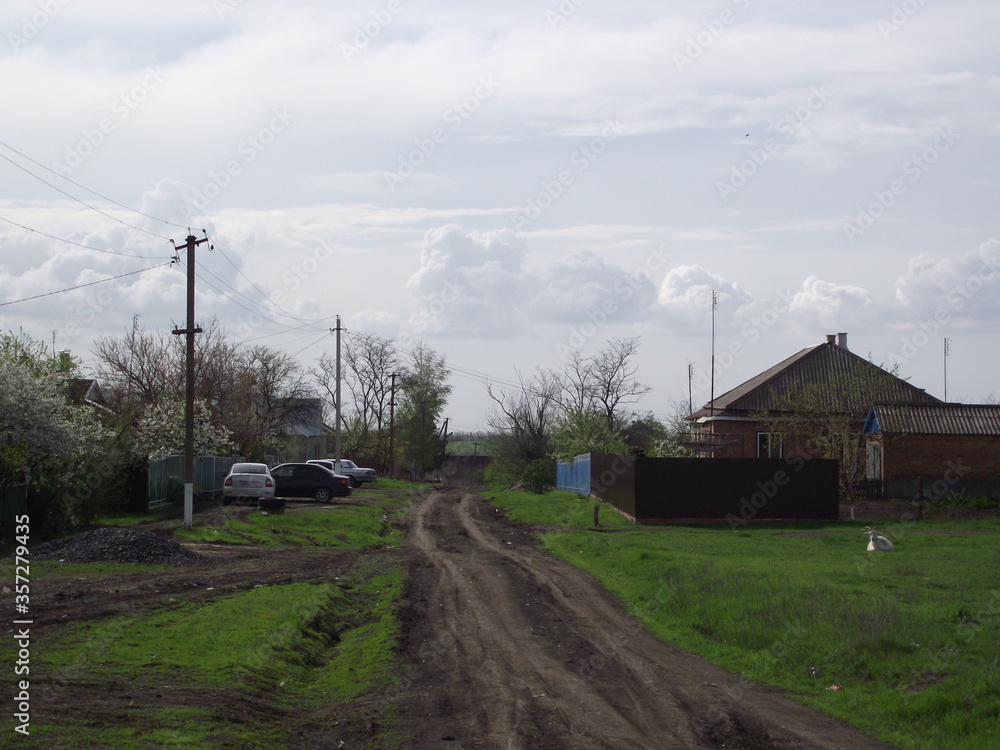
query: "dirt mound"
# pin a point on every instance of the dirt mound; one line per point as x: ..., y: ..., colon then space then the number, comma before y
x: 118, y: 545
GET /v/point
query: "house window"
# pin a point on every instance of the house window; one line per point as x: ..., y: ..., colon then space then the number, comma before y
x: 768, y: 445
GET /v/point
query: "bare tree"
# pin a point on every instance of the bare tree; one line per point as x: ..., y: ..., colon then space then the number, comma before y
x: 524, y: 419
x: 614, y: 382
x: 269, y: 394
x: 138, y: 367
x: 254, y: 391
x: 604, y: 382
x: 369, y: 364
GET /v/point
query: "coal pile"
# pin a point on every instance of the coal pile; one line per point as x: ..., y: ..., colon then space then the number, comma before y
x: 117, y: 545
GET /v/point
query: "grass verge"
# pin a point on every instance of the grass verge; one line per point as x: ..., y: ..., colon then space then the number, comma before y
x: 249, y: 669
x: 911, y: 635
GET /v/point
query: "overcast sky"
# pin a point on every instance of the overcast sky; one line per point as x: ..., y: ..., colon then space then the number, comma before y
x: 510, y: 181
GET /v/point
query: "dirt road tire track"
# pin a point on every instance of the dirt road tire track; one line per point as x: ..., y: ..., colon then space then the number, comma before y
x: 512, y: 648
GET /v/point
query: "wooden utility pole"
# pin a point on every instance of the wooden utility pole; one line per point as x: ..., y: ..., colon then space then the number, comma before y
x: 336, y: 406
x: 192, y: 242
x: 392, y: 428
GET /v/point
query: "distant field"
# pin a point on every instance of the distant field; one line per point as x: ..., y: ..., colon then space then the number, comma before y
x: 911, y: 636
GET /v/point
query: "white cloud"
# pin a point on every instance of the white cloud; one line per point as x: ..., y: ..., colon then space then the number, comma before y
x: 685, y: 298
x: 962, y: 289
x: 468, y: 283
x: 585, y: 284
x: 827, y: 305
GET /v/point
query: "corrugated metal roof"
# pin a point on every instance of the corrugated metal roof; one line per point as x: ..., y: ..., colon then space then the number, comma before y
x: 938, y: 419
x: 824, y: 364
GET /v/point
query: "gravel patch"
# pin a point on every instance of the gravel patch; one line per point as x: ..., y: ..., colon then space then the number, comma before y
x: 118, y: 545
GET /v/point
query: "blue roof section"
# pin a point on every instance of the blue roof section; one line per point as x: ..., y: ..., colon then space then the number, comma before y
x: 935, y: 419
x: 872, y: 427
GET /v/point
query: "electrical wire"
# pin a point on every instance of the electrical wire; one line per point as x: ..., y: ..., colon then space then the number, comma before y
x: 89, y: 190
x: 80, y: 244
x: 307, y: 346
x: 81, y: 286
x: 82, y: 203
x: 260, y: 291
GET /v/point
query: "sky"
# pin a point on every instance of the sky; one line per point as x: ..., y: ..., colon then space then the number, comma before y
x: 510, y: 183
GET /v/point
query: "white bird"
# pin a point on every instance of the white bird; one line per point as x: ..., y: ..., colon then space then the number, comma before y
x: 877, y: 542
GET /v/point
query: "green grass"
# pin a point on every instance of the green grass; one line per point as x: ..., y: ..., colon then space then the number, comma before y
x: 910, y: 635
x: 337, y: 526
x: 225, y: 672
x: 557, y: 508
x: 305, y: 645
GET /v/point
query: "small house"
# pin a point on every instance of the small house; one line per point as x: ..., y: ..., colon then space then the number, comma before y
x: 729, y: 426
x: 933, y: 450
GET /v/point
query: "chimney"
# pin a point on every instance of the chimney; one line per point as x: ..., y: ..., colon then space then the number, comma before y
x: 831, y: 338
x: 842, y: 340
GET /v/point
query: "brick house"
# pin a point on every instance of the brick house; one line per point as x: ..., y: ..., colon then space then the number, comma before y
x: 727, y: 427
x: 930, y: 450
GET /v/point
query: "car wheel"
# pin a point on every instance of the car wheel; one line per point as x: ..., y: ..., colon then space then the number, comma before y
x: 322, y: 495
x: 355, y: 482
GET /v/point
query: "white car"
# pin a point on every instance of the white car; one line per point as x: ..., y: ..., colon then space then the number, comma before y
x: 347, y: 468
x: 248, y: 482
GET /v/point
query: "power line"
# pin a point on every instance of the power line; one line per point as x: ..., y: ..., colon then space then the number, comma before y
x: 82, y: 203
x: 84, y: 187
x: 81, y: 286
x: 80, y: 244
x: 252, y: 311
x: 261, y: 292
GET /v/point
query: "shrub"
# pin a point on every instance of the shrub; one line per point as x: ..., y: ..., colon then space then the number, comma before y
x: 540, y: 476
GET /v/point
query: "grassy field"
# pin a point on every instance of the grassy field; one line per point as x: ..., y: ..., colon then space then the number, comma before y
x: 241, y: 660
x: 912, y: 636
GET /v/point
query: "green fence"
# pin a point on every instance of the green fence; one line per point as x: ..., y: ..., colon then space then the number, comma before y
x: 165, y: 478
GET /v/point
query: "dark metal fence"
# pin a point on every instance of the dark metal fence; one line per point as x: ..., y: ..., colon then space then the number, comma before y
x: 737, y: 490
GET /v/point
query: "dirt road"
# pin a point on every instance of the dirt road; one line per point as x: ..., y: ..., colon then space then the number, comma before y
x: 512, y: 648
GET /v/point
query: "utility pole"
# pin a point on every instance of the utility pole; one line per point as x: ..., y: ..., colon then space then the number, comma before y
x: 192, y: 242
x: 946, y: 347
x: 690, y: 394
x: 715, y: 306
x: 336, y: 398
x: 392, y: 428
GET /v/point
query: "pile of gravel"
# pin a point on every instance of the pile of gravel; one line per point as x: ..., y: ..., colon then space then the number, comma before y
x: 113, y: 544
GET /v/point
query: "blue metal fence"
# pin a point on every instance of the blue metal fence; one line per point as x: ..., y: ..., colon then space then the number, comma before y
x: 574, y: 477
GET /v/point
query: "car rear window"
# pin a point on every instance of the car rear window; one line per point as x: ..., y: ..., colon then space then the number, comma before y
x: 249, y: 468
